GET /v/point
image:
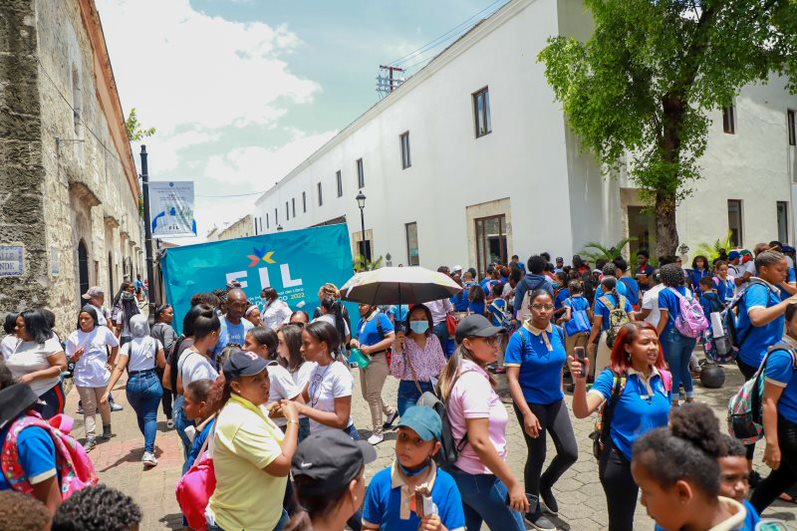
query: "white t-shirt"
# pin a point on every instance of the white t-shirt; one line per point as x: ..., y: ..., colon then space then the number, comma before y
x: 650, y: 301
x: 7, y: 345
x: 326, y: 384
x: 143, y: 352
x: 193, y: 366
x: 28, y: 356
x: 301, y: 377
x: 329, y: 318
x: 102, y: 318
x: 91, y: 369
x: 282, y: 386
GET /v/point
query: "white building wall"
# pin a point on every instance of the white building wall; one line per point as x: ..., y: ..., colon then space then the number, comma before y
x: 557, y: 197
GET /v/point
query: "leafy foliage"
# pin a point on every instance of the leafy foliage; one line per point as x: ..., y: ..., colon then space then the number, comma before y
x: 712, y: 250
x: 594, y: 251
x: 639, y: 91
x: 134, y: 130
x: 363, y: 264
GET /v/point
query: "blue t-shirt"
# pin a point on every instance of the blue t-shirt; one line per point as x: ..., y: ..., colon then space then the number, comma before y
x: 398, y: 313
x: 789, y: 280
x: 749, y: 522
x: 725, y: 289
x: 632, y: 289
x: 669, y: 301
x: 36, y: 453
x: 636, y: 412
x: 497, y: 311
x: 368, y: 332
x: 603, y: 310
x: 199, y: 440
x: 476, y: 307
x: 382, y: 504
x: 540, y: 368
x: 622, y: 289
x: 561, y: 296
x: 232, y: 334
x: 780, y: 371
x: 460, y: 301
x: 695, y: 275
x: 757, y: 339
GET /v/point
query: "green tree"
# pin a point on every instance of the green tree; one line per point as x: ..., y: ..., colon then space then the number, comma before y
x: 594, y: 251
x: 639, y: 91
x: 134, y: 130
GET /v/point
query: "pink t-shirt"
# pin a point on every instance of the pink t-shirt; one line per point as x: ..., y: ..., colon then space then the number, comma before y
x: 474, y: 398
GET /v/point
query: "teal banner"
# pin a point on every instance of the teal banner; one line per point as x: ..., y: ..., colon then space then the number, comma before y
x: 295, y: 263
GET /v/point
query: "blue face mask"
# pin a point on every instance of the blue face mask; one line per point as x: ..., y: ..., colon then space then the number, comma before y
x: 419, y: 327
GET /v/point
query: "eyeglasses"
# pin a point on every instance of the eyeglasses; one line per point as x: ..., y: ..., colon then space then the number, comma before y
x: 542, y: 306
x: 492, y: 340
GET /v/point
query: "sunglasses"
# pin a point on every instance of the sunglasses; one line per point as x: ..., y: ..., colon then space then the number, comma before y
x: 492, y: 340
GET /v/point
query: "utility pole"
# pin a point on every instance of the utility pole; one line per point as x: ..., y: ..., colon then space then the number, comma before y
x: 386, y: 85
x: 147, y: 229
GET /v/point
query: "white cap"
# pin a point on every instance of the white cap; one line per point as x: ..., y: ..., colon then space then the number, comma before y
x: 457, y: 268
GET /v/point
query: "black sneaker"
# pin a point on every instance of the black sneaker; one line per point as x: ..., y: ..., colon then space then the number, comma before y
x: 540, y: 522
x: 755, y: 479
x: 548, y: 501
x: 390, y: 420
x: 89, y: 444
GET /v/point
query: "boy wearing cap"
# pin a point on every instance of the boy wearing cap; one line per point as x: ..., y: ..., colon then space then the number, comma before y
x: 391, y: 502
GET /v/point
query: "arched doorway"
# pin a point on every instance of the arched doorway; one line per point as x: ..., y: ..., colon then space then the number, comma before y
x: 83, y: 269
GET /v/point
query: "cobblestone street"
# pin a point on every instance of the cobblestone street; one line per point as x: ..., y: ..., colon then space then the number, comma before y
x: 580, y: 497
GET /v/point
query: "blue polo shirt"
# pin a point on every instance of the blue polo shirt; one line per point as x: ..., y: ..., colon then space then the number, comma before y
x: 780, y: 371
x: 790, y: 279
x: 540, y: 367
x: 749, y: 522
x: 382, y: 504
x: 638, y: 411
x: 232, y: 333
x: 603, y: 310
x: 476, y: 307
x: 561, y: 296
x: 725, y: 289
x: 669, y: 301
x: 460, y: 301
x: 36, y: 454
x: 497, y: 311
x: 368, y: 332
x: 632, y: 289
x: 695, y: 275
x: 757, y: 339
x: 622, y: 289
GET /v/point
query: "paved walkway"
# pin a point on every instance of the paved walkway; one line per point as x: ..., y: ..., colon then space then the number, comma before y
x: 581, y: 499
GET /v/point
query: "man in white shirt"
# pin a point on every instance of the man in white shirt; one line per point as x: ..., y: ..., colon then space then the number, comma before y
x: 276, y: 311
x: 649, y: 310
x: 96, y: 298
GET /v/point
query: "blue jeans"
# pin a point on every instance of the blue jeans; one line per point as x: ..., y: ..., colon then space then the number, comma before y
x: 408, y: 394
x: 144, y: 392
x: 284, y: 519
x: 484, y: 500
x: 352, y: 432
x: 180, y: 424
x: 441, y: 331
x: 304, y: 428
x: 677, y: 351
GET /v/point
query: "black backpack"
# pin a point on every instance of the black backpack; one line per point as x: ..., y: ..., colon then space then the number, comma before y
x: 729, y: 315
x: 450, y: 447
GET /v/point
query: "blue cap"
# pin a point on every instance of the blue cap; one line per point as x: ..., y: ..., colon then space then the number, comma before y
x: 787, y: 249
x: 243, y: 363
x: 424, y: 421
x: 733, y: 255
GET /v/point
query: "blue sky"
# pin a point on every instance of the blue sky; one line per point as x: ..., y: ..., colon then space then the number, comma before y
x: 241, y: 91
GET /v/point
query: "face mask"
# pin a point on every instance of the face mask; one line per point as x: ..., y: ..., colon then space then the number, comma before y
x: 419, y: 327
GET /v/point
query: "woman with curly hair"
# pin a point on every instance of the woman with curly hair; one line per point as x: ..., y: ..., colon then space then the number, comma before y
x: 100, y: 508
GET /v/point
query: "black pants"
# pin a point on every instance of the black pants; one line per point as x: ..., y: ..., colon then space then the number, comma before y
x: 614, y: 470
x: 786, y: 475
x: 166, y: 401
x: 555, y: 420
x: 748, y: 371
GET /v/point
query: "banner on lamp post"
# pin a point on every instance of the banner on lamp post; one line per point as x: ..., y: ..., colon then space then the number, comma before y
x: 171, y: 205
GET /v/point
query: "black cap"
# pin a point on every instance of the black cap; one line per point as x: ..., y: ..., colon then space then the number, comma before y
x: 331, y: 459
x: 476, y: 326
x: 242, y: 363
x: 15, y: 400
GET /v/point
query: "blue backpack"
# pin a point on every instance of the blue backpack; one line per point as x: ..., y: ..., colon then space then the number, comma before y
x: 579, y: 317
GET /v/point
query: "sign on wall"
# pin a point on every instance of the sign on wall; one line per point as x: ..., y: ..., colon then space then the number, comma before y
x: 12, y: 260
x: 171, y: 207
x: 295, y: 263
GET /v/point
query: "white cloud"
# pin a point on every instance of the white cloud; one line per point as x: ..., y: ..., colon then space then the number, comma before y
x: 179, y: 66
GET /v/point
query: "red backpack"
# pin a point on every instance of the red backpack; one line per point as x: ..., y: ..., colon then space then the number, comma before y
x: 75, y: 469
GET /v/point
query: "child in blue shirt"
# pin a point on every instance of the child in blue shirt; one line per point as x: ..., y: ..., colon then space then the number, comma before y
x: 499, y: 316
x: 390, y: 502
x: 476, y: 300
x: 196, y: 408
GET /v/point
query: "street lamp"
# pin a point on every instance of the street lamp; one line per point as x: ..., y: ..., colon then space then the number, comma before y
x: 279, y: 228
x: 361, y: 204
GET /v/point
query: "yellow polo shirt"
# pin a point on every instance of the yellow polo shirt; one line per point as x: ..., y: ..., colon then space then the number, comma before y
x: 246, y: 441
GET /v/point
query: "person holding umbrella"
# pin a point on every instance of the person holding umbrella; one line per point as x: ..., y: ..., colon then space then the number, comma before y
x: 375, y: 335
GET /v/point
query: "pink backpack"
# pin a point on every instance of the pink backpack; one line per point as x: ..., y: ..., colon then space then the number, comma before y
x: 196, y: 487
x: 72, y: 462
x: 691, y: 322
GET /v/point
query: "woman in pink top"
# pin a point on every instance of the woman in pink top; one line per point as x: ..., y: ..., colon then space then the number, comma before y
x: 478, y: 422
x: 417, y: 359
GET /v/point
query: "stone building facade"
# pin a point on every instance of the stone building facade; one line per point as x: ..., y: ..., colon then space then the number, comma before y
x: 238, y: 229
x: 69, y: 192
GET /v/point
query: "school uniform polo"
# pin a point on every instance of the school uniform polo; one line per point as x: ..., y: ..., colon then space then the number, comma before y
x: 632, y: 289
x: 540, y: 362
x: 669, y: 301
x: 725, y: 288
x: 389, y: 503
x: 36, y: 454
x: 603, y: 310
x: 780, y: 372
x: 368, y: 331
x: 561, y: 296
x: 622, y: 289
x: 757, y: 339
x: 643, y: 406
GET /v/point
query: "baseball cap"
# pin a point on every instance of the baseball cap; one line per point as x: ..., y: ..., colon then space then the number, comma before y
x: 476, y: 326
x: 330, y: 460
x: 733, y: 255
x: 424, y: 421
x: 745, y: 252
x: 457, y: 268
x: 242, y: 363
x: 94, y: 291
x: 787, y: 249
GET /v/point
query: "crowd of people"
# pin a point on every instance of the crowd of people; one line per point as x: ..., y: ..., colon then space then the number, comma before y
x: 261, y: 397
